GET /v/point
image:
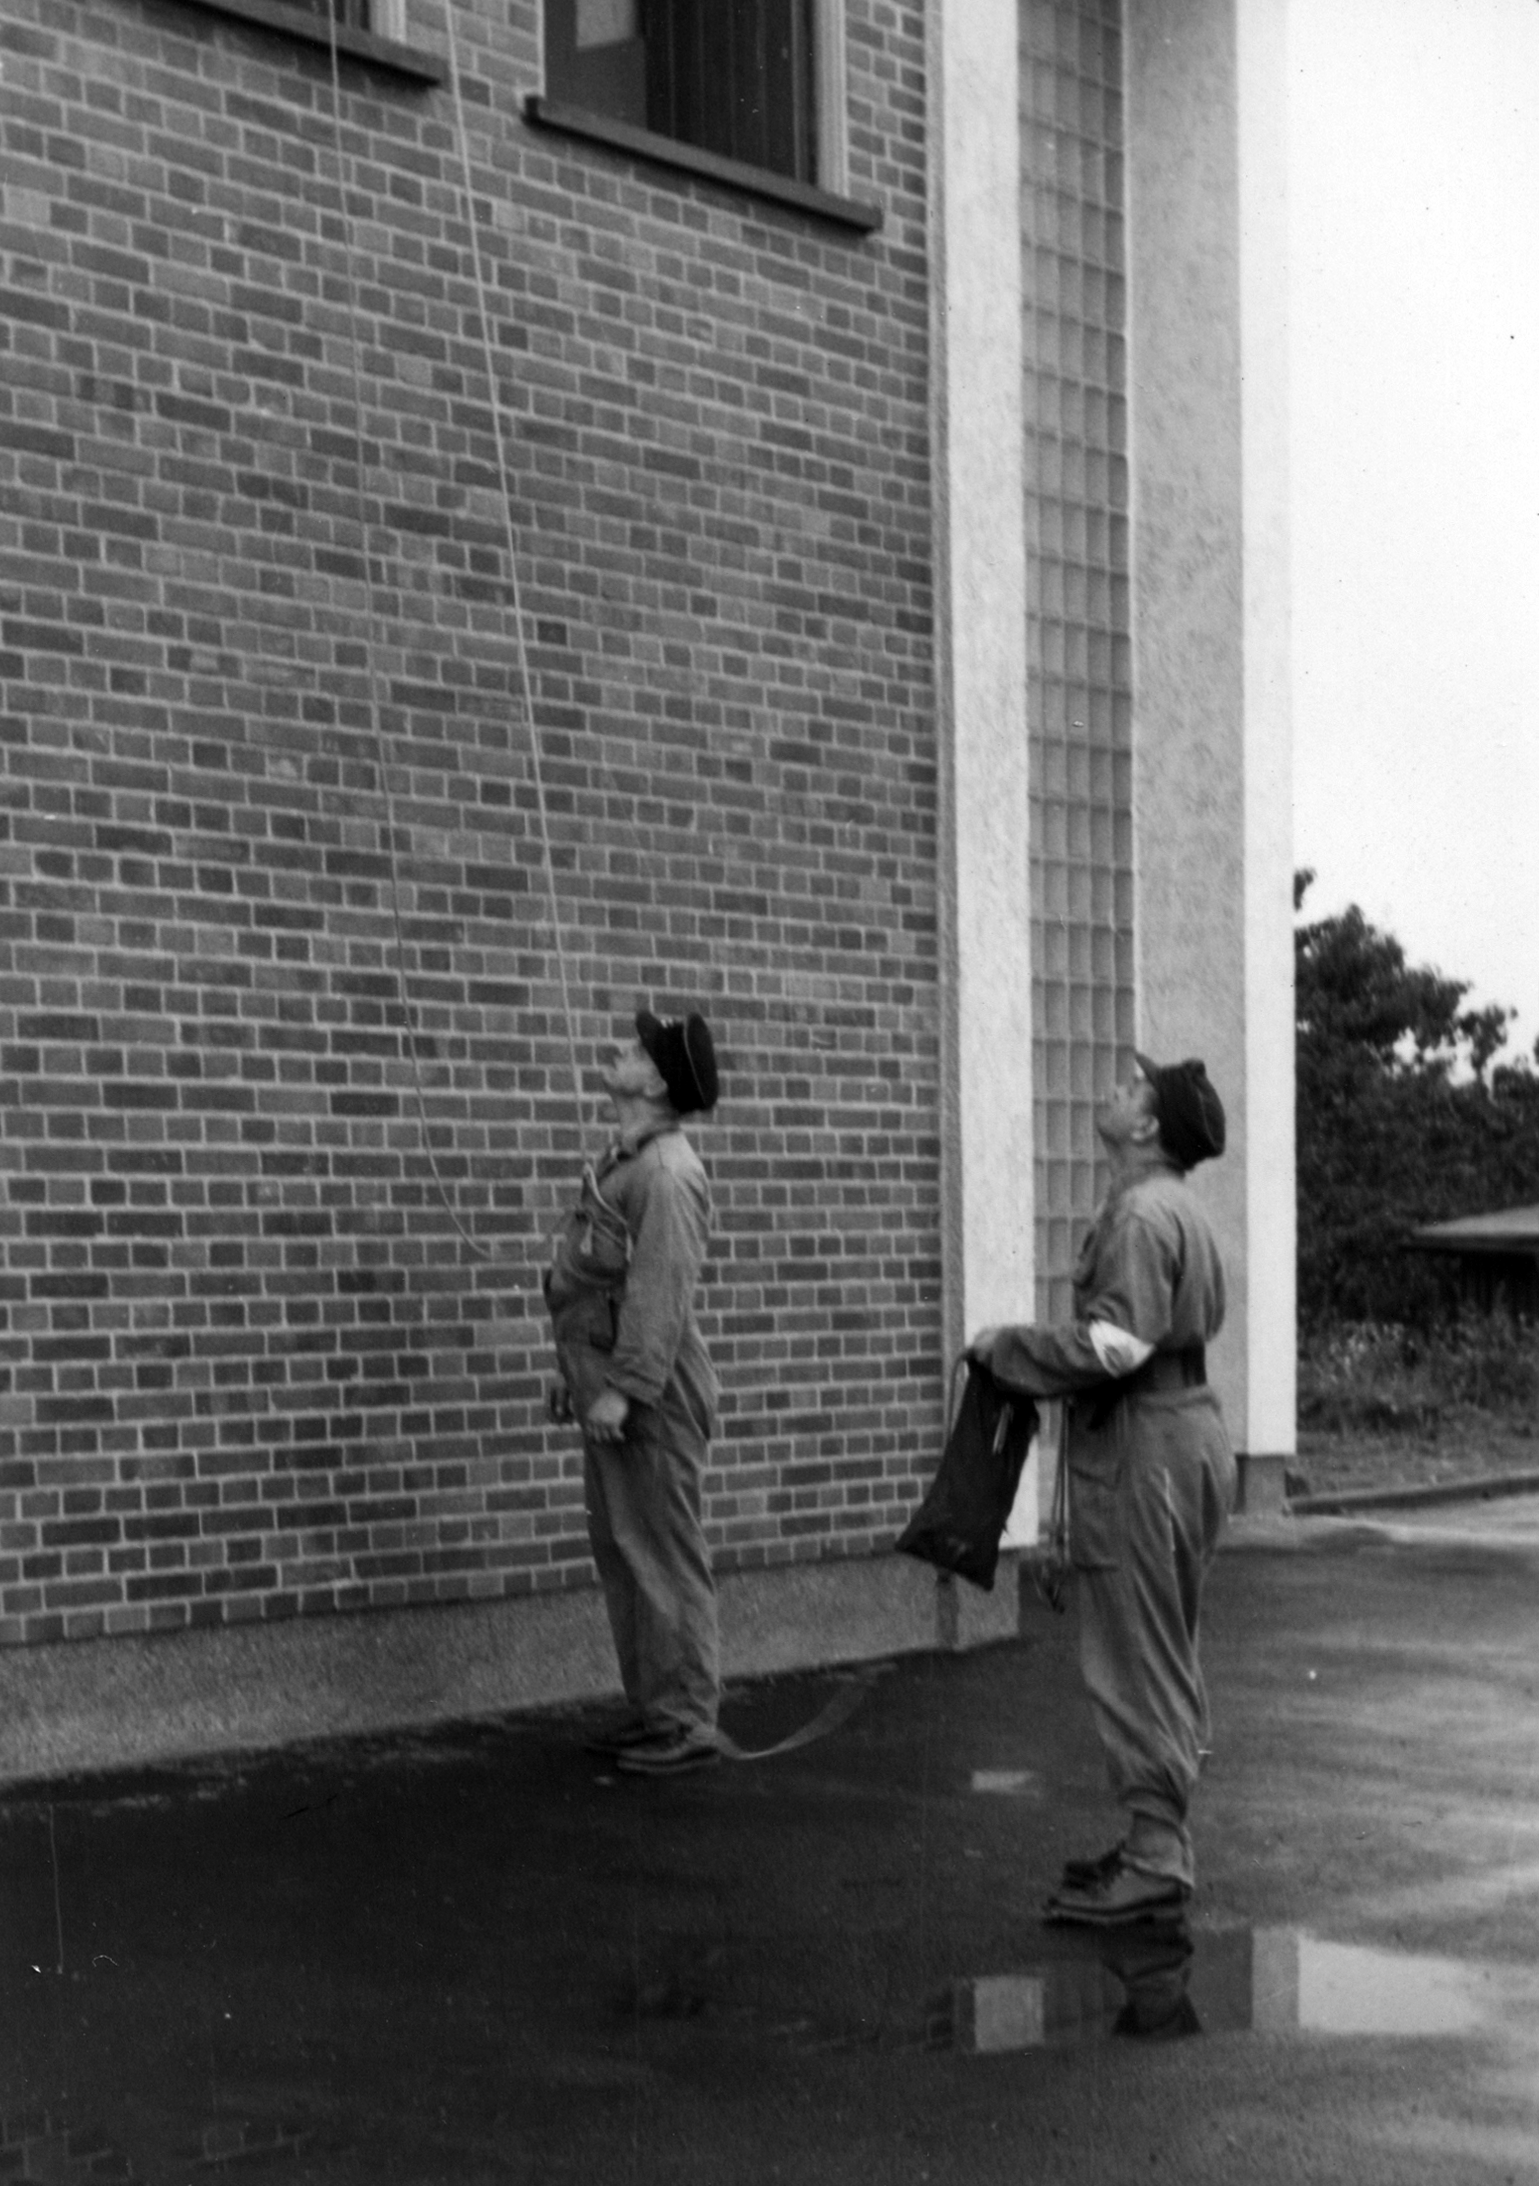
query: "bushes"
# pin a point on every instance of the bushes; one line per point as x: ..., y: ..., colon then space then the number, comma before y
x: 1387, y: 1376
x: 1404, y: 1117
x: 1381, y: 1153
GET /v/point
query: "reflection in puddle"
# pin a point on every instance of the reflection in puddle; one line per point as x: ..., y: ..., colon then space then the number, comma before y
x: 238, y: 2140
x: 41, y: 2149
x: 1009, y: 1783
x: 1159, y: 1981
x: 1130, y: 1986
x: 1332, y: 1989
x: 1163, y: 1982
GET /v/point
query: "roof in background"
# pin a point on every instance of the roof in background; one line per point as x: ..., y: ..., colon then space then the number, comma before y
x: 1515, y: 1229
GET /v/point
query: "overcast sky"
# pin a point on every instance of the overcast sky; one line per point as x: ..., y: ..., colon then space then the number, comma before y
x: 1414, y: 181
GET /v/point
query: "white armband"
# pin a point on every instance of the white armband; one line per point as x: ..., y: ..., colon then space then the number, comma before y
x: 1118, y: 1352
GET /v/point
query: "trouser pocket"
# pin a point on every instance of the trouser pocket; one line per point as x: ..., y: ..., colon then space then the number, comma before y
x: 586, y: 1329
x: 1097, y: 1521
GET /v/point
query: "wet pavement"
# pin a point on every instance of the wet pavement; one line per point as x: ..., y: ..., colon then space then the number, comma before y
x: 481, y: 1954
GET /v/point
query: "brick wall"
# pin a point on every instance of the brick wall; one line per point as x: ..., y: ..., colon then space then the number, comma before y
x: 262, y: 1351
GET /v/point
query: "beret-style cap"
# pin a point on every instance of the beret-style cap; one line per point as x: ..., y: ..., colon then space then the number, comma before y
x: 1187, y: 1108
x: 685, y: 1056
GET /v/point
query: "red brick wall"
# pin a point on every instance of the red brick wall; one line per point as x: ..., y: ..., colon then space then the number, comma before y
x: 248, y: 1365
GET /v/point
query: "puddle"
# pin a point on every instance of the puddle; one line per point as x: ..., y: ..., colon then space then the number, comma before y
x: 1008, y: 1783
x: 1164, y: 1982
x: 145, y: 1792
x: 41, y: 2149
x: 1335, y: 1988
x: 243, y: 2142
x: 1139, y: 1988
x: 1159, y: 1981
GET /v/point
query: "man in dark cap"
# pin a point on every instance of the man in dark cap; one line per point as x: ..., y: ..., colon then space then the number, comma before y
x: 638, y: 1381
x: 1151, y: 1477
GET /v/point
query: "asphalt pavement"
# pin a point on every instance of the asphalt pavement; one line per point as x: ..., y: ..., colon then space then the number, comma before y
x: 482, y: 1954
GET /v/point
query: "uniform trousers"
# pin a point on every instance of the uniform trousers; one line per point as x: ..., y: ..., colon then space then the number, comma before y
x: 1148, y: 1502
x: 644, y: 1527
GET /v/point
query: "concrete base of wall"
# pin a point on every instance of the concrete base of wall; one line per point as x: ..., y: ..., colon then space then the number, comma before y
x: 1263, y: 1482
x: 119, y: 1703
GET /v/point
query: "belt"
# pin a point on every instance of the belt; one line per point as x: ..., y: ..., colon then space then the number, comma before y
x: 1173, y: 1370
x: 1186, y: 1369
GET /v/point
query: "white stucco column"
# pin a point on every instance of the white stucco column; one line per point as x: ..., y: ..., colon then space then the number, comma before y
x: 987, y: 1157
x: 1206, y: 104
x: 1271, y: 1221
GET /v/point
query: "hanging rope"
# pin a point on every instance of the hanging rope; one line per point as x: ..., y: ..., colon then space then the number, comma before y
x: 845, y: 1700
x: 526, y: 682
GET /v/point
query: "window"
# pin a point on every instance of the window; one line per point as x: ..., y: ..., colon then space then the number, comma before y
x: 730, y: 77
x: 384, y: 18
x: 355, y: 14
x: 366, y: 30
x: 750, y: 93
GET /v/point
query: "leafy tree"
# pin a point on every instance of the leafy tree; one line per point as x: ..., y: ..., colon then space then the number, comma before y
x: 1404, y: 1117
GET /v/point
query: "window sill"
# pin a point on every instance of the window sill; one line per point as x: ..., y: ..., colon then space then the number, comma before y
x: 312, y: 29
x: 737, y: 174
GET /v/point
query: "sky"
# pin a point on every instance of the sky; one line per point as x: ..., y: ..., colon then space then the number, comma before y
x: 1414, y: 297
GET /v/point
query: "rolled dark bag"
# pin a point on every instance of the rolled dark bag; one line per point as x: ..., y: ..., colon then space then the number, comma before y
x: 959, y: 1524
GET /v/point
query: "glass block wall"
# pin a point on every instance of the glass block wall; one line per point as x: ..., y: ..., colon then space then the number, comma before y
x: 1079, y: 659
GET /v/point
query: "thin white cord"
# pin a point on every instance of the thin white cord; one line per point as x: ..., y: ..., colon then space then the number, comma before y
x: 371, y: 618
x: 526, y: 683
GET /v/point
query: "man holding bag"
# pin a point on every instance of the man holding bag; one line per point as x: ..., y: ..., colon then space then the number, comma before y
x: 1152, y: 1477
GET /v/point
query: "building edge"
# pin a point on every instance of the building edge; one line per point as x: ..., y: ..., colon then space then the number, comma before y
x: 978, y: 471
x: 1206, y: 92
x: 1270, y: 1431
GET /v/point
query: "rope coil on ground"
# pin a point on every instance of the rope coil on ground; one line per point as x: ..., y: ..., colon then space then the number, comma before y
x: 834, y: 1713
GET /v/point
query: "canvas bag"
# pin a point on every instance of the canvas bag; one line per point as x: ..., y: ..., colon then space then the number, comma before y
x: 959, y: 1524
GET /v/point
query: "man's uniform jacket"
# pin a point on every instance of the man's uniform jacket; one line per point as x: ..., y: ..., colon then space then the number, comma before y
x: 1150, y: 1267
x: 621, y: 1283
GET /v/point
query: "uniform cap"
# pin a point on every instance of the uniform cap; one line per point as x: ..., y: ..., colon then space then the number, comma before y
x: 685, y: 1056
x: 1187, y: 1108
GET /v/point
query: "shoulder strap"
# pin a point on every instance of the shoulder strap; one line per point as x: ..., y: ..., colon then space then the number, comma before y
x: 601, y: 1216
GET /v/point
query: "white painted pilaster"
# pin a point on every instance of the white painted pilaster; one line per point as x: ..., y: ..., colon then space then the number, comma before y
x: 1262, y: 69
x: 987, y: 1144
x: 981, y: 641
x: 1206, y: 110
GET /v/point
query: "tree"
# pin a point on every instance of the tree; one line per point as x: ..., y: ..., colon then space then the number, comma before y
x: 1404, y: 1116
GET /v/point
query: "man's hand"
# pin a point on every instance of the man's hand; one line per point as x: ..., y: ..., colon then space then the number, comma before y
x: 982, y: 1346
x: 606, y: 1416
x: 558, y: 1403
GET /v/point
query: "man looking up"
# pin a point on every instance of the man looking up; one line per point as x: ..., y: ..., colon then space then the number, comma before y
x: 637, y: 1379
x: 1151, y: 1477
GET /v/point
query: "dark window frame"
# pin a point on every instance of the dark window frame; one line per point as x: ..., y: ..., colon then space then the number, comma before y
x: 563, y: 108
x: 310, y: 26
x: 806, y: 197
